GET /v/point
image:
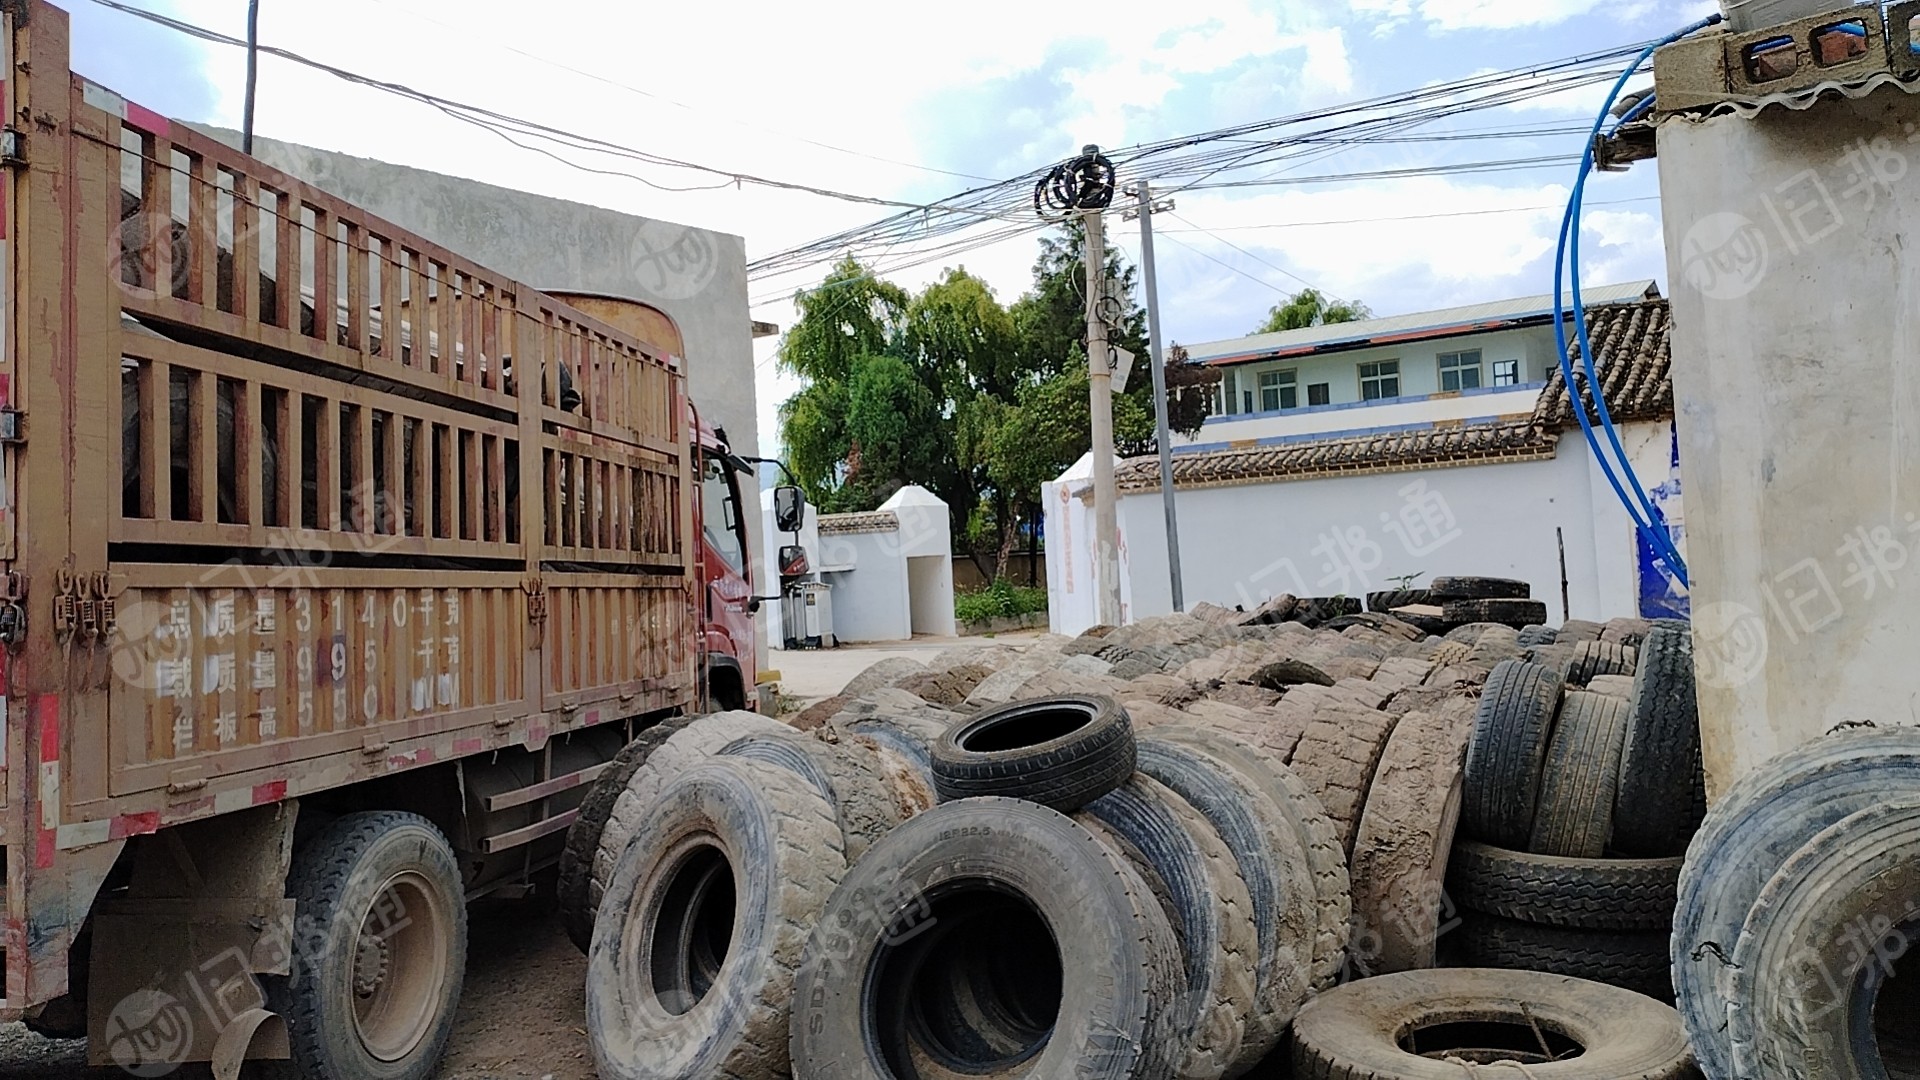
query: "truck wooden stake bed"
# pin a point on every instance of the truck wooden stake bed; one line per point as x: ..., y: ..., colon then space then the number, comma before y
x: 334, y: 567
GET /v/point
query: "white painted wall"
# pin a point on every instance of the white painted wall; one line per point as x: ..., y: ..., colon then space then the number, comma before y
x: 1419, y: 364
x: 1073, y: 602
x: 871, y: 601
x: 930, y: 587
x: 1795, y: 344
x: 1240, y: 545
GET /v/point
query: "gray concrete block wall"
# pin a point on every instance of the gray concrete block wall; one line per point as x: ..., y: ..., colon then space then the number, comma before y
x: 695, y: 275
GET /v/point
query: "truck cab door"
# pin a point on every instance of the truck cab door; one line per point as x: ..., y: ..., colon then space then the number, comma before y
x: 728, y: 630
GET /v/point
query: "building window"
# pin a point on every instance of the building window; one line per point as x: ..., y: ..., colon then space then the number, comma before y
x: 1228, y: 397
x: 1277, y: 391
x: 1460, y: 370
x: 1246, y: 401
x: 1319, y: 394
x: 1381, y: 380
x: 1506, y: 373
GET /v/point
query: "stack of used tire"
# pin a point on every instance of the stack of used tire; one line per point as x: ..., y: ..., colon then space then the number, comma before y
x: 1578, y: 805
x: 1799, y: 905
x: 982, y: 865
x: 1456, y: 601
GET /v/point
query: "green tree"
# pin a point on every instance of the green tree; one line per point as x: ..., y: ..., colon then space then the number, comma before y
x: 895, y: 433
x: 1309, y: 308
x: 851, y: 314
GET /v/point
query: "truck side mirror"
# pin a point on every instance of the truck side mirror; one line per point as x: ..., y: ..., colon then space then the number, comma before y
x: 789, y: 508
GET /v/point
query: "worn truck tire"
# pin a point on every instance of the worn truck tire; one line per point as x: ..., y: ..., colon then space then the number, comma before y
x: 575, y: 895
x: 1190, y: 868
x: 378, y: 1002
x: 1513, y: 613
x: 700, y: 739
x: 691, y: 970
x: 1583, y: 894
x: 1063, y: 752
x: 1326, y: 859
x: 1590, y: 658
x: 1574, y: 816
x: 1633, y: 960
x: 1454, y: 1023
x: 1755, y: 827
x: 1537, y: 635
x: 1574, y: 631
x: 1400, y: 855
x: 847, y: 775
x: 1388, y: 599
x: 1828, y: 938
x: 1480, y: 588
x: 988, y: 938
x: 903, y: 725
x: 1511, y: 731
x: 1659, y: 764
x: 1337, y: 758
x: 1273, y: 864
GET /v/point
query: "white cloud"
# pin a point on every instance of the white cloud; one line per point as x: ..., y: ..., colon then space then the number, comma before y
x: 1501, y: 14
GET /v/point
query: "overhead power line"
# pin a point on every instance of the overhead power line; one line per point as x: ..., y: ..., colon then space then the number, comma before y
x: 654, y: 95
x: 507, y: 126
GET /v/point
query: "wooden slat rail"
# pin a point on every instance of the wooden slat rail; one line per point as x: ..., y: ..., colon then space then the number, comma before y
x: 610, y: 503
x: 328, y: 276
x: 376, y: 504
x: 300, y: 376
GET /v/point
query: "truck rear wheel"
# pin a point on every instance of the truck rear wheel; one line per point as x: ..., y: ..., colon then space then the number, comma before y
x: 381, y: 949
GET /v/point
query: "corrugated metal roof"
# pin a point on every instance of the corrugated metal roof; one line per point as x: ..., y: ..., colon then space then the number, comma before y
x: 1493, y: 315
x: 1802, y: 99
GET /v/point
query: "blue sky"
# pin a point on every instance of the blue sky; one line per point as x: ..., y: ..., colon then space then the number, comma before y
x: 904, y: 95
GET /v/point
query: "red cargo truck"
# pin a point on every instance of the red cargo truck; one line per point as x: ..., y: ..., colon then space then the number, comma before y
x: 333, y: 568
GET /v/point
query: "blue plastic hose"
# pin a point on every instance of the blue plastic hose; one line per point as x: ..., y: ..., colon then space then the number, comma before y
x: 1567, y: 257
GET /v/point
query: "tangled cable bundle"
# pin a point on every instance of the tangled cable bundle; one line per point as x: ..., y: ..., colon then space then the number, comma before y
x: 1079, y: 183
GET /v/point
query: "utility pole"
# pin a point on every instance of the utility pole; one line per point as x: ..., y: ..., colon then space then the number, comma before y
x: 1083, y: 187
x: 1161, y: 439
x: 1106, y: 517
x: 253, y: 75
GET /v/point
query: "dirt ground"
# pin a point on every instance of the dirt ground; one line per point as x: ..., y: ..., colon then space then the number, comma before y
x: 521, y: 1017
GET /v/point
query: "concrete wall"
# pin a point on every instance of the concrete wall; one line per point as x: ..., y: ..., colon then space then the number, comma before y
x: 930, y: 584
x: 1351, y: 535
x: 1795, y: 344
x: 697, y: 276
x: 871, y: 599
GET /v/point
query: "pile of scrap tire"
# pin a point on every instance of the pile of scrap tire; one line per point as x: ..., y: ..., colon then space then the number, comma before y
x: 1583, y: 787
x: 1798, y: 906
x: 1147, y: 851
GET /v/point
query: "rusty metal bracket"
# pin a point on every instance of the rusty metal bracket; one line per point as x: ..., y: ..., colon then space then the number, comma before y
x: 66, y: 606
x: 13, y: 422
x: 536, y: 591
x: 105, y: 592
x: 13, y: 623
